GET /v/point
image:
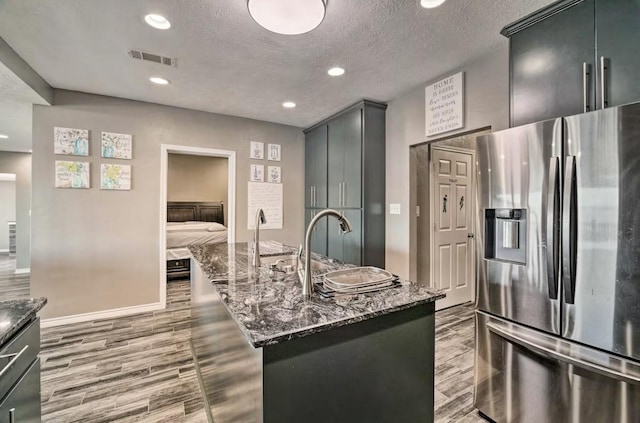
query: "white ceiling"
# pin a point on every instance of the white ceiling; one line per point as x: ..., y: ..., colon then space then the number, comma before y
x: 228, y: 64
x: 16, y: 99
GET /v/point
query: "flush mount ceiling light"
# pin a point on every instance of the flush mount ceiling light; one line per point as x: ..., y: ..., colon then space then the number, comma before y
x: 3, y: 136
x: 430, y: 4
x: 287, y: 17
x: 157, y: 21
x: 158, y: 80
x: 335, y: 71
x: 289, y: 104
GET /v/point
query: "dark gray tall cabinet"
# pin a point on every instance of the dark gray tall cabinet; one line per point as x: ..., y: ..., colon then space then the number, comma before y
x: 345, y: 170
x: 573, y: 56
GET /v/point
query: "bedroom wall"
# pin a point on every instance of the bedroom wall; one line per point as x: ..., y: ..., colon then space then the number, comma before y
x: 97, y: 250
x: 7, y: 211
x: 198, y: 178
x: 486, y: 104
x: 20, y: 165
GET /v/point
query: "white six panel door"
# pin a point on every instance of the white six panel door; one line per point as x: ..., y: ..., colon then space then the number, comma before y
x: 452, y: 207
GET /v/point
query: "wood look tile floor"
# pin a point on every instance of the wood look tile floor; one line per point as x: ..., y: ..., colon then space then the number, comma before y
x: 12, y: 286
x: 136, y: 368
x: 139, y: 368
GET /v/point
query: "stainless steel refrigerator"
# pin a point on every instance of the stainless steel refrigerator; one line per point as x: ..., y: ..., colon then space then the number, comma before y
x: 558, y: 258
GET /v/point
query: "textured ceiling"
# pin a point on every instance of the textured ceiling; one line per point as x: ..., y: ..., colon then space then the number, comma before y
x: 16, y: 99
x: 228, y: 64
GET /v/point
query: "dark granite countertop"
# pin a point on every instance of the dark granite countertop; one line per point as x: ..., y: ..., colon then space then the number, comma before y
x: 269, y: 312
x: 14, y: 314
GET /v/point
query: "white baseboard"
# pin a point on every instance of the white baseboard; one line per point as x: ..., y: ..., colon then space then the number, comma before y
x: 24, y: 271
x: 99, y: 315
x: 4, y: 250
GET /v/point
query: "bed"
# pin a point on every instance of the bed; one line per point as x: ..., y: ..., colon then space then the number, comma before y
x: 191, y: 223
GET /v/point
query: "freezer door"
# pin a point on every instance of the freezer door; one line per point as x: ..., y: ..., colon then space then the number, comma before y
x: 527, y: 376
x: 601, y: 230
x: 518, y: 192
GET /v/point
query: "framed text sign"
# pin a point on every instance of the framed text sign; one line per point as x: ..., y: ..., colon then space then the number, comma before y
x: 444, y: 105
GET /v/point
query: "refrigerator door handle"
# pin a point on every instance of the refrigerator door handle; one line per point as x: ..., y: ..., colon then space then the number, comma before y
x: 603, y: 82
x: 553, y: 226
x: 569, y: 231
x: 555, y: 354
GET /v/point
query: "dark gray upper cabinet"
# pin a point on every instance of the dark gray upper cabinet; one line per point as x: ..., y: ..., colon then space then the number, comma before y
x: 573, y: 56
x: 547, y: 66
x: 316, y: 168
x: 618, y: 40
x: 355, y: 181
x: 336, y: 161
x: 549, y: 63
x: 352, y: 179
x: 345, y: 160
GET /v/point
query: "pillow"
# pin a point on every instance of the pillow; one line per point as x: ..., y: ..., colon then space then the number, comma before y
x: 216, y: 227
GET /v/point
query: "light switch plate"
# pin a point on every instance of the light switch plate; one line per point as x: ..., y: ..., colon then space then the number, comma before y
x: 394, y: 208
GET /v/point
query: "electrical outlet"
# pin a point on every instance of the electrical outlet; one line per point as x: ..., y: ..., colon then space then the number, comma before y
x: 394, y: 208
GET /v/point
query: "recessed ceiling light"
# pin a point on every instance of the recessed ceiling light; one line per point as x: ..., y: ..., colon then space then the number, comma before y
x: 335, y: 71
x: 158, y: 80
x: 4, y: 137
x: 289, y: 104
x: 157, y: 21
x: 287, y: 17
x: 430, y: 4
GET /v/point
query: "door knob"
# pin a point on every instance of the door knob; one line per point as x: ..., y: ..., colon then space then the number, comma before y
x: 470, y: 235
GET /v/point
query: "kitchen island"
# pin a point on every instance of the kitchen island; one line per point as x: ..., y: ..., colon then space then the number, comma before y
x: 264, y: 353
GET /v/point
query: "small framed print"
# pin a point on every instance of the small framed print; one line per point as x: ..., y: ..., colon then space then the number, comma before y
x: 274, y: 174
x: 257, y: 173
x: 274, y: 151
x: 71, y: 141
x: 116, y: 146
x: 115, y: 177
x: 72, y: 174
x: 257, y: 150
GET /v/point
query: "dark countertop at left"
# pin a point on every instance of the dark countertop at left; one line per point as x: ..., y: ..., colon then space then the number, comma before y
x: 15, y: 314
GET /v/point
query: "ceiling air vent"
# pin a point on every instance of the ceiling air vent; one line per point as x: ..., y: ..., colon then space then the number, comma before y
x: 151, y: 57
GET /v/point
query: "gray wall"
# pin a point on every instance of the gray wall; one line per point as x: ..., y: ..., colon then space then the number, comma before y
x: 98, y: 250
x: 7, y: 211
x: 198, y: 178
x: 486, y: 104
x: 20, y: 165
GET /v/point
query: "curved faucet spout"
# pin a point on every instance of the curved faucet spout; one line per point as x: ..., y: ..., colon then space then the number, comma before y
x: 305, y: 277
x: 260, y: 219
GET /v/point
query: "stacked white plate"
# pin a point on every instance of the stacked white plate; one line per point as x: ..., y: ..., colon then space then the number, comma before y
x: 358, y: 279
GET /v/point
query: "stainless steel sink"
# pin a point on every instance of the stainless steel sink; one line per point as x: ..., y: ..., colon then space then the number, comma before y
x: 291, y: 260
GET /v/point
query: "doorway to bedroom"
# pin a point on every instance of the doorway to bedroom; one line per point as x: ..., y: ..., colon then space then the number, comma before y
x: 197, y: 205
x: 197, y: 191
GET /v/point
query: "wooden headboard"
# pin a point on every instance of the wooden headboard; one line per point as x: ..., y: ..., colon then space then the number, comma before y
x: 183, y: 211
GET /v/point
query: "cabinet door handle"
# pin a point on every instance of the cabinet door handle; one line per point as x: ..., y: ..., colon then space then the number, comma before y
x: 586, y: 74
x: 315, y: 196
x: 603, y: 82
x: 344, y: 194
x: 339, y: 194
x: 13, y: 360
x: 311, y: 195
